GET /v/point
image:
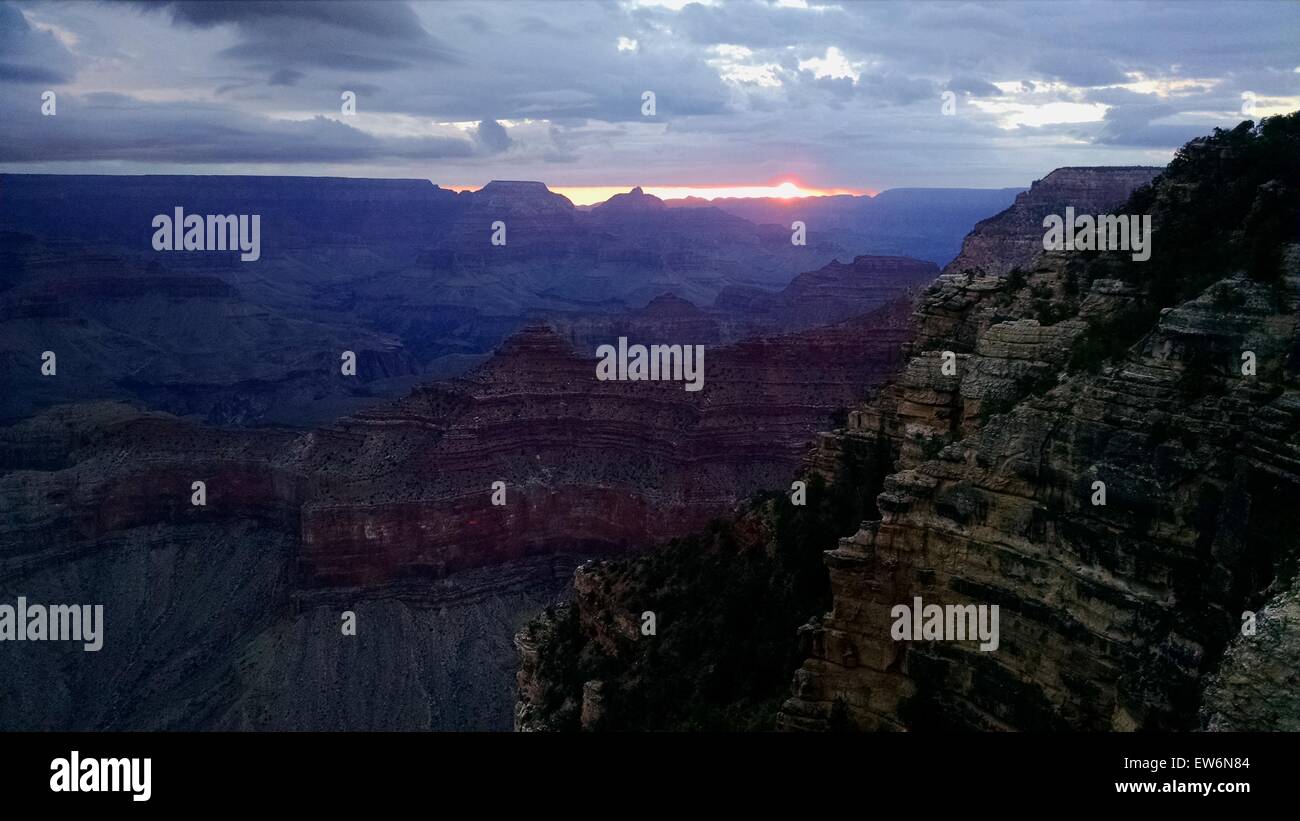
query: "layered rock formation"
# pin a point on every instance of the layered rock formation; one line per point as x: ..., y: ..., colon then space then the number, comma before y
x: 833, y: 293
x: 388, y: 515
x: 1013, y: 238
x: 589, y: 466
x: 1114, y: 611
x: 402, y: 272
x: 1102, y: 449
x: 1110, y: 614
x: 404, y: 490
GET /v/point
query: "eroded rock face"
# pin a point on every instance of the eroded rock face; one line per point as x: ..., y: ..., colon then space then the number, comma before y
x: 401, y: 272
x: 834, y: 293
x: 226, y: 615
x: 1024, y: 394
x: 1112, y: 615
x: 1013, y: 238
x: 589, y: 466
x: 1257, y: 687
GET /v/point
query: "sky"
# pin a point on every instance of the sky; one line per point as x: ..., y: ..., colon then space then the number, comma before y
x: 794, y: 96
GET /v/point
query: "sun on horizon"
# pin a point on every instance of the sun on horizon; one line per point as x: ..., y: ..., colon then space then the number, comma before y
x: 784, y: 189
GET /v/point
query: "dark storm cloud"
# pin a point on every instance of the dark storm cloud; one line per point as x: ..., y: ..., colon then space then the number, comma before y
x: 1079, y: 68
x: 28, y: 55
x: 898, y: 88
x: 1148, y: 135
x: 391, y: 20
x: 336, y: 34
x: 111, y: 127
x: 492, y: 136
x: 974, y: 87
x: 846, y: 93
x: 284, y: 77
x: 1136, y: 125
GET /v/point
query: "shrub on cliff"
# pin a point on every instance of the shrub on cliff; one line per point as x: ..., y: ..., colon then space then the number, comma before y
x: 1227, y: 202
x: 728, y: 600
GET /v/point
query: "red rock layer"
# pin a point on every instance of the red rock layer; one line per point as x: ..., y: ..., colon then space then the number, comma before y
x: 405, y: 491
x: 589, y: 465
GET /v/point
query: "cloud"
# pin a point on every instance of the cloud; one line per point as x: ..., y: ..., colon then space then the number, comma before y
x: 974, y: 86
x: 18, y: 73
x: 331, y: 34
x: 30, y: 55
x: 113, y: 127
x: 492, y: 136
x: 1134, y: 125
x: 284, y: 77
x: 1041, y: 84
x: 392, y: 20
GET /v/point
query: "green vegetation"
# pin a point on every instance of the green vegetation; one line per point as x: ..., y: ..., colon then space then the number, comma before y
x: 1050, y: 313
x: 1109, y: 339
x: 1228, y: 202
x: 1015, y: 280
x: 932, y: 445
x: 1227, y: 298
x: 729, y: 602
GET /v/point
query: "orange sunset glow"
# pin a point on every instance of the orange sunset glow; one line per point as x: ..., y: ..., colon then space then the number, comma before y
x: 786, y: 189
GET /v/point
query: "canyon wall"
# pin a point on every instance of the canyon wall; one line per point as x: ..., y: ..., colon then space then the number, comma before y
x: 1110, y: 614
x: 1034, y: 381
x: 227, y: 615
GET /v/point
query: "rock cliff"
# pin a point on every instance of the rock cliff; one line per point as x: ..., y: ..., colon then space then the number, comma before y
x: 1033, y: 380
x: 227, y: 615
x: 1114, y: 609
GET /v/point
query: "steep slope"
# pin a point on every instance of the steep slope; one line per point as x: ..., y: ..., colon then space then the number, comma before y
x: 924, y: 223
x: 835, y: 292
x: 1013, y: 238
x: 977, y: 484
x: 227, y: 615
x: 401, y: 272
x: 589, y: 466
x: 1114, y: 613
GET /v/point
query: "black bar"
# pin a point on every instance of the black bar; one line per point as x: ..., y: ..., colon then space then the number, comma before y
x: 331, y: 770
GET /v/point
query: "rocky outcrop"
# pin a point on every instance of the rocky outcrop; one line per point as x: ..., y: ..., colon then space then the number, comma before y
x: 1098, y: 449
x: 588, y: 465
x: 635, y: 201
x: 387, y: 515
x: 1115, y: 608
x: 1257, y: 687
x: 402, y: 272
x: 1110, y: 613
x: 1014, y: 237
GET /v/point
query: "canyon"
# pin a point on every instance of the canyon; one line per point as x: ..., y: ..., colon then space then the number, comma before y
x: 401, y: 272
x: 976, y: 487
x: 226, y: 615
